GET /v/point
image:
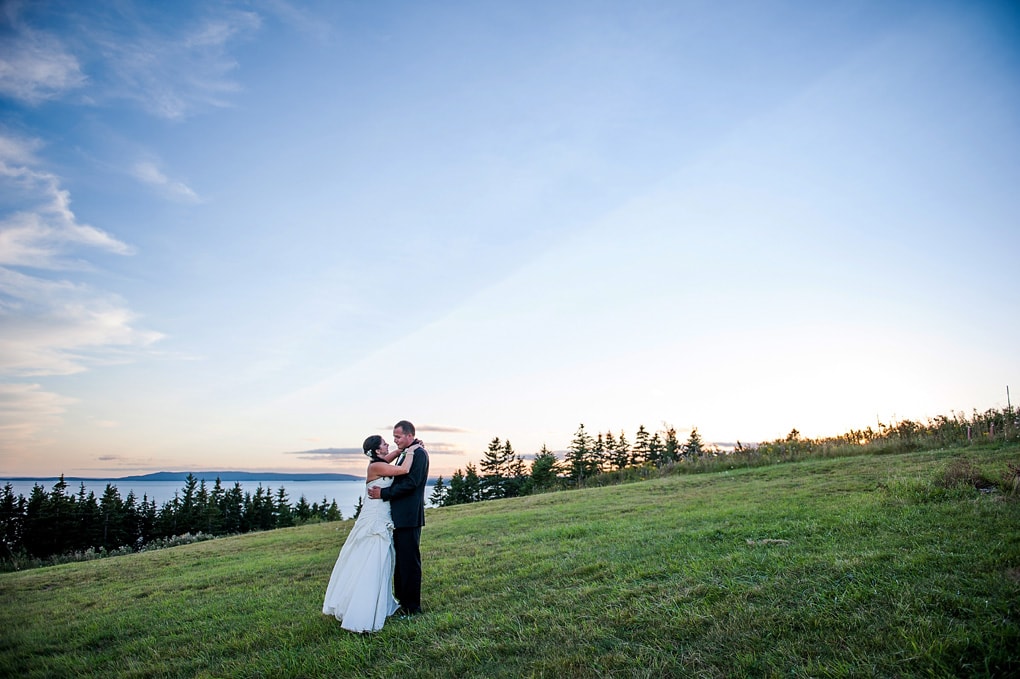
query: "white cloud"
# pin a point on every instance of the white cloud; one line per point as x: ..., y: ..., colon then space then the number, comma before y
x: 40, y: 237
x: 53, y: 327
x: 168, y: 69
x: 149, y: 173
x: 174, y: 74
x: 26, y: 413
x: 61, y: 327
x: 298, y: 18
x: 35, y: 67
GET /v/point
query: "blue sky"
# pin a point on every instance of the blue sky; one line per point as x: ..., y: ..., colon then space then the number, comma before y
x: 246, y: 235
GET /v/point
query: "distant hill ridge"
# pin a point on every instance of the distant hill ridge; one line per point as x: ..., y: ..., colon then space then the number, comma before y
x: 206, y: 475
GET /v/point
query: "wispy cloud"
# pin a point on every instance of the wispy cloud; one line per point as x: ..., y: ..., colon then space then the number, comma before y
x: 173, y: 73
x: 40, y: 235
x: 298, y: 18
x: 50, y: 326
x: 148, y: 172
x: 441, y: 428
x: 61, y: 327
x: 36, y: 67
x: 27, y: 411
x: 328, y: 454
x: 170, y: 69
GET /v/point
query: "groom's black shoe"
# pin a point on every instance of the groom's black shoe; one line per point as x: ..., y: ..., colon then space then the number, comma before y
x: 408, y: 612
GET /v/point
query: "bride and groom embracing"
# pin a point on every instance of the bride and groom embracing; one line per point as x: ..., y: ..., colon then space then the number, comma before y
x: 378, y: 571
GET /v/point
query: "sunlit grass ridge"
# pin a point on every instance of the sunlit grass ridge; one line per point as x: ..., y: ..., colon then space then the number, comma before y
x: 891, y: 565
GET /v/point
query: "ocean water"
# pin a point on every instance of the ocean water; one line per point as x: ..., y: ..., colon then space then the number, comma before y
x: 346, y: 493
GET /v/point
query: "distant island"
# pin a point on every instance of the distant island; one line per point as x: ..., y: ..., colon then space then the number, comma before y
x: 223, y: 476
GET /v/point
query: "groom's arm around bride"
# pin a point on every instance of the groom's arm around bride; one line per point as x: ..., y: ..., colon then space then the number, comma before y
x: 406, y: 496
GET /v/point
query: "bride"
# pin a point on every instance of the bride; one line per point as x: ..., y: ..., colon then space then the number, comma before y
x: 360, y: 590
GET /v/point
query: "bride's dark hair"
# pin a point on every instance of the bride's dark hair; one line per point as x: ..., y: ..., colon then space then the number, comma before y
x: 371, y: 445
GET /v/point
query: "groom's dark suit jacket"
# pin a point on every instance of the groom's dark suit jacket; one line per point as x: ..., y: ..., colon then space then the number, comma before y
x: 407, y: 493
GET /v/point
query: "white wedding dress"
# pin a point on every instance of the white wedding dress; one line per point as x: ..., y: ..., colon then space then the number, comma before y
x: 360, y: 590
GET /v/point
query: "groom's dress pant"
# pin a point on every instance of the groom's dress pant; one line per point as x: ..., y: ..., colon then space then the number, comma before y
x: 407, y: 573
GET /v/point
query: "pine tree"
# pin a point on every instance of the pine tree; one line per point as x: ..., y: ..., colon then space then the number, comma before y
x: 694, y: 447
x: 232, y: 509
x: 214, y: 509
x: 672, y: 450
x: 456, y: 494
x: 303, y: 511
x: 578, y: 458
x: 655, y: 449
x: 12, y: 512
x: 438, y: 495
x: 472, y: 484
x: 333, y: 513
x: 544, y: 470
x: 111, y: 509
x: 132, y: 521
x: 621, y: 454
x: 639, y: 455
x: 284, y: 516
x: 599, y: 461
x: 90, y: 524
x: 517, y: 476
x: 492, y: 465
x: 189, y: 519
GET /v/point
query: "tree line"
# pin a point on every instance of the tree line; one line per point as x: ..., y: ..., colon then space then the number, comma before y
x: 47, y: 524
x: 607, y: 458
x: 502, y: 473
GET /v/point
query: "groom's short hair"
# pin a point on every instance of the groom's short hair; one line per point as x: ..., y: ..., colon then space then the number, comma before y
x: 405, y: 427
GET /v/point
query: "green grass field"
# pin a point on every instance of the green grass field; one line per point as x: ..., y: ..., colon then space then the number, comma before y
x: 856, y: 567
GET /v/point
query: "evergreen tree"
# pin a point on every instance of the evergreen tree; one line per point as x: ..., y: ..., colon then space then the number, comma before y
x: 438, y: 495
x: 132, y: 521
x: 202, y: 518
x: 655, y: 449
x: 579, y: 457
x: 672, y: 450
x: 502, y: 471
x: 544, y: 470
x: 598, y: 455
x: 456, y: 494
x: 320, y: 510
x: 639, y: 454
x: 472, y: 484
x: 303, y: 511
x: 694, y: 447
x: 517, y: 475
x: 358, y: 507
x: 37, y: 523
x: 491, y: 478
x: 610, y: 446
x: 146, y: 521
x: 167, y: 524
x: 213, y: 523
x: 284, y: 516
x: 232, y: 509
x: 90, y: 524
x: 111, y: 510
x: 12, y: 512
x: 621, y: 453
x: 262, y: 509
x: 333, y: 513
x: 189, y: 518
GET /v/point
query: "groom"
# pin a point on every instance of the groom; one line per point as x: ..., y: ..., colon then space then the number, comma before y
x: 407, y: 507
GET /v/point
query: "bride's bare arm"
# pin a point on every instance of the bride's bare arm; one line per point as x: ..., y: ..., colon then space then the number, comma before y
x: 391, y: 456
x: 377, y: 469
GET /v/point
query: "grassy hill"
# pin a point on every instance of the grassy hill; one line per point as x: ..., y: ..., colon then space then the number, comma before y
x: 870, y: 566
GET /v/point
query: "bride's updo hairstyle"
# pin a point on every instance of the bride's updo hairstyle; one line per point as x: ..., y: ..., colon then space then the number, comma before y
x: 371, y: 445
